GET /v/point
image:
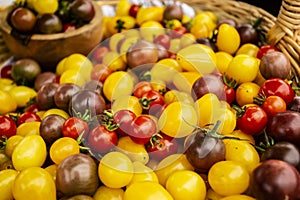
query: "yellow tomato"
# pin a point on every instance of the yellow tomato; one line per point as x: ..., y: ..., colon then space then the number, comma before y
x: 173, y: 23
x: 60, y: 67
x: 106, y: 193
x: 187, y: 39
x: 39, y: 185
x: 22, y: 95
x: 154, y: 13
x: 122, y: 8
x: 45, y: 6
x: 174, y: 45
x: 238, y: 197
x: 249, y: 49
x: 51, y: 169
x: 9, y: 102
x: 197, y: 58
x: 223, y: 60
x: 225, y: 32
x: 186, y: 184
x: 11, y: 143
x: 246, y: 92
x: 57, y: 111
x: 169, y: 165
x: 178, y: 119
x: 7, y: 178
x: 240, y: 134
x: 29, y: 128
x: 72, y: 76
x: 127, y: 102
x: 146, y: 191
x: 200, y: 30
x: 150, y: 29
x: 165, y: 69
x: 6, y: 84
x: 142, y: 173
x: 114, y: 61
x: 118, y: 84
x: 185, y: 80
x: 208, y: 19
x: 115, y: 170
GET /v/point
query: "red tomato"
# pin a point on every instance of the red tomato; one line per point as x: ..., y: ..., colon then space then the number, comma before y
x: 8, y: 127
x: 251, y: 120
x: 264, y: 49
x: 160, y: 146
x: 100, y: 72
x: 163, y: 40
x: 73, y: 127
x: 124, y: 119
x: 133, y: 10
x: 142, y: 128
x: 142, y: 87
x: 151, y: 98
x: 277, y: 87
x: 32, y: 108
x: 177, y: 32
x: 28, y: 117
x: 102, y: 140
x: 229, y: 94
x: 273, y: 105
x: 6, y: 71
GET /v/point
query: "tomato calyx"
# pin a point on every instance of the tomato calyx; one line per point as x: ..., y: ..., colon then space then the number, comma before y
x: 155, y: 142
x: 107, y: 120
x: 80, y: 141
x: 3, y: 142
x: 230, y: 83
x: 260, y: 99
x: 239, y: 110
x: 264, y: 145
x: 120, y: 25
x: 145, y: 103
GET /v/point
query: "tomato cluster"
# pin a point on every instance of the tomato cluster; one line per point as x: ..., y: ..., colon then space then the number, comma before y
x: 180, y: 108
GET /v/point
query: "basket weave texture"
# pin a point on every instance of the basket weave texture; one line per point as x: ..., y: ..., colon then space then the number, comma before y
x: 282, y: 31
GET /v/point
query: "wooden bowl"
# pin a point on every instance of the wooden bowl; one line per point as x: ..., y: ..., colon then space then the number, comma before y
x: 49, y: 49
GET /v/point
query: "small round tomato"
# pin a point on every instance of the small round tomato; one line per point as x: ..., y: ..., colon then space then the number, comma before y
x: 115, y: 170
x: 243, y: 68
x: 273, y: 105
x: 230, y: 93
x: 30, y: 152
x: 228, y: 178
x: 142, y: 128
x: 243, y: 152
x: 11, y: 143
x: 8, y: 127
x: 39, y: 184
x: 56, y: 111
x: 100, y: 72
x: 245, y: 93
x: 133, y: 10
x: 226, y: 31
x: 150, y: 99
x: 28, y: 117
x: 251, y: 120
x: 101, y: 140
x: 127, y: 102
x: 277, y: 87
x: 124, y: 119
x: 22, y: 94
x: 62, y: 148
x: 249, y: 49
x: 5, y: 71
x: 264, y: 49
x: 7, y: 178
x: 9, y: 102
x: 186, y: 184
x: 106, y: 193
x: 154, y: 191
x: 29, y: 128
x: 142, y: 87
x: 74, y: 127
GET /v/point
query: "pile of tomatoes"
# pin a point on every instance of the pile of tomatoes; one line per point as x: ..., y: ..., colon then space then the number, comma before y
x: 179, y: 108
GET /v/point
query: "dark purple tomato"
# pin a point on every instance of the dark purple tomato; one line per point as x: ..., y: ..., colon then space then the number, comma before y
x: 5, y: 71
x: 82, y: 10
x: 208, y: 43
x: 45, y: 96
x: 208, y: 83
x: 51, y: 128
x: 276, y: 180
x: 49, y: 24
x: 63, y: 95
x: 23, y: 19
x: 94, y: 85
x: 285, y: 126
x: 173, y: 11
x: 295, y: 105
x: 77, y: 174
x: 284, y: 151
x: 86, y: 101
x: 248, y: 33
x: 43, y: 78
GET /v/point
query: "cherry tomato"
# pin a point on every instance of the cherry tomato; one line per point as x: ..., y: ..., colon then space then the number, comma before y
x: 7, y: 178
x: 100, y: 72
x: 249, y: 49
x: 142, y: 128
x: 127, y: 102
x: 160, y: 146
x: 22, y: 94
x: 264, y: 49
x: 150, y: 99
x: 273, y: 105
x: 226, y: 31
x: 133, y: 10
x: 29, y: 128
x: 39, y: 184
x: 106, y: 193
x: 178, y: 31
x: 186, y: 184
x: 124, y: 119
x: 277, y: 87
x: 115, y: 170
x: 11, y: 143
x: 245, y: 93
x: 8, y: 127
x: 228, y: 178
x: 153, y: 191
x: 163, y: 40
x: 62, y: 148
x: 230, y: 93
x: 28, y: 117
x: 101, y: 140
x: 141, y: 88
x: 5, y: 71
x: 252, y: 120
x: 30, y: 152
x: 74, y: 127
x: 9, y: 102
x: 98, y: 53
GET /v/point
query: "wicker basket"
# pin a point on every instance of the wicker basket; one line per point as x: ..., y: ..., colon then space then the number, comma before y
x: 283, y: 31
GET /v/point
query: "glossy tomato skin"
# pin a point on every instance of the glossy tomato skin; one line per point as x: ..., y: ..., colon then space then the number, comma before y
x: 142, y: 129
x: 161, y: 146
x: 141, y: 88
x: 264, y: 49
x: 273, y: 105
x: 73, y: 127
x: 275, y: 179
x: 253, y: 120
x: 102, y: 140
x: 124, y: 119
x: 277, y: 87
x: 8, y: 127
x: 285, y: 126
x: 28, y: 117
x: 151, y: 98
x: 229, y: 94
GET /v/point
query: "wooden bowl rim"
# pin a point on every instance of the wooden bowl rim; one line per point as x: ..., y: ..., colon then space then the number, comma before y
x: 36, y: 37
